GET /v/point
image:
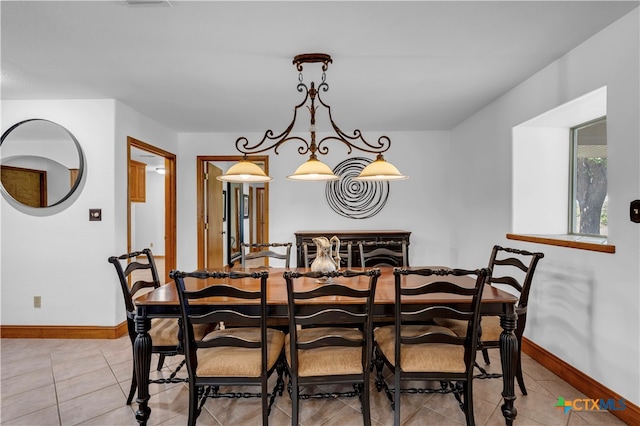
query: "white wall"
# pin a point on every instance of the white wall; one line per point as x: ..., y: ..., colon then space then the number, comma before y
x: 149, y: 216
x: 130, y: 123
x: 56, y: 256
x: 63, y: 257
x: 584, y: 306
x: 414, y: 205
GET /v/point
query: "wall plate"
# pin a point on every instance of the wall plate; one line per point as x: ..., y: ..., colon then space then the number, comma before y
x: 95, y: 215
x: 634, y: 211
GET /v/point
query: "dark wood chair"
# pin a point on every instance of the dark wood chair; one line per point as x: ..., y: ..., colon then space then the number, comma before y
x: 513, y: 269
x: 139, y: 268
x: 330, y: 345
x: 383, y: 253
x: 264, y: 250
x: 310, y: 255
x: 415, y: 349
x: 243, y: 355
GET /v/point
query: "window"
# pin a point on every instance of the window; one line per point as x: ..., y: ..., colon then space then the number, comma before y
x: 559, y: 185
x: 588, y: 205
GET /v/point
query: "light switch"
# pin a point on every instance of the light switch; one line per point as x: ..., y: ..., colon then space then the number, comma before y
x: 634, y: 211
x: 95, y: 214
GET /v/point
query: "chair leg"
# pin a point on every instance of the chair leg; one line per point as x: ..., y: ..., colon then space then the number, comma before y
x: 485, y: 355
x: 366, y: 405
x: 134, y: 386
x: 160, y: 362
x: 193, y: 404
x: 519, y: 376
x: 295, y: 402
x: 379, y: 365
x: 265, y: 403
x: 396, y: 396
x: 468, y: 402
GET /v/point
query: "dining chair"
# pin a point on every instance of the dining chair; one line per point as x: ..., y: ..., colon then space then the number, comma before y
x: 383, y: 253
x: 329, y: 344
x: 310, y: 255
x: 139, y: 269
x: 264, y: 251
x: 246, y: 354
x: 415, y: 349
x: 512, y: 270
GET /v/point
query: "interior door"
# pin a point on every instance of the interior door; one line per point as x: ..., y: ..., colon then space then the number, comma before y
x: 26, y: 185
x: 232, y: 223
x: 261, y: 216
x: 214, y: 208
x: 167, y: 160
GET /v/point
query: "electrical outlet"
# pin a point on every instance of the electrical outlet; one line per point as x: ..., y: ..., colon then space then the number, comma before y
x: 37, y: 301
x: 150, y: 245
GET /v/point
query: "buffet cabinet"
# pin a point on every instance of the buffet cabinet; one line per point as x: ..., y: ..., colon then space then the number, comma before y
x: 345, y: 237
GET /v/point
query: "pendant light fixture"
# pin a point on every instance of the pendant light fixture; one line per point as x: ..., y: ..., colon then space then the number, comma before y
x: 313, y: 169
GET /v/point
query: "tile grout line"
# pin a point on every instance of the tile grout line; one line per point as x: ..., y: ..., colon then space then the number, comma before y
x: 55, y: 389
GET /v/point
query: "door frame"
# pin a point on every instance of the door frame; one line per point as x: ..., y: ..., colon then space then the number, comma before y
x: 170, y: 224
x: 200, y: 169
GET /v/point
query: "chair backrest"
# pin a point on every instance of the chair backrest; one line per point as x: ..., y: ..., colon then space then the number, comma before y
x: 302, y: 288
x: 135, y: 261
x: 234, y: 284
x: 467, y: 309
x: 514, y: 268
x: 383, y: 253
x: 310, y: 255
x: 265, y: 251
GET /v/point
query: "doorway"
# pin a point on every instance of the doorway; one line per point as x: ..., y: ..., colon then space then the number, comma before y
x: 228, y: 213
x: 156, y: 159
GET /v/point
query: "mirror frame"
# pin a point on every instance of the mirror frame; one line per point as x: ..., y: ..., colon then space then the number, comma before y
x: 81, y: 166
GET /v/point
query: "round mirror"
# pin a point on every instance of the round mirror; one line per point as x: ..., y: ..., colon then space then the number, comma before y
x: 42, y: 163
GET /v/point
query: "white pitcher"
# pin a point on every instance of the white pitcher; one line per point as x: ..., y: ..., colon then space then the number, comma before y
x: 327, y: 258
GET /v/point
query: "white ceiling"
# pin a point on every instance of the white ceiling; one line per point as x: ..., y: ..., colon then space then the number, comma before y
x: 213, y: 66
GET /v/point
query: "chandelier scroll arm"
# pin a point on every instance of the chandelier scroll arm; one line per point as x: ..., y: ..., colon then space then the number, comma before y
x: 355, y: 141
x: 244, y: 146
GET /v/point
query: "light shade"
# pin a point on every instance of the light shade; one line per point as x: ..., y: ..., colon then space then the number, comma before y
x: 313, y: 169
x: 380, y: 169
x: 245, y: 171
x: 161, y: 170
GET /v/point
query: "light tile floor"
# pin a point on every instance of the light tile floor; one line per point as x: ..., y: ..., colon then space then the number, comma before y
x: 70, y: 382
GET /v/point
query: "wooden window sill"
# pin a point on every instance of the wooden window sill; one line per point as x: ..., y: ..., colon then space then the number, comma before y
x: 570, y: 241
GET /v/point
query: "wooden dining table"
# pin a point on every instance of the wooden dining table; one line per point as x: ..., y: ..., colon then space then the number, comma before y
x: 163, y: 303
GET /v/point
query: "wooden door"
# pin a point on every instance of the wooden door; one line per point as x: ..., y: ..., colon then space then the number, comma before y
x: 214, y: 208
x: 201, y: 167
x: 25, y: 185
x: 137, y: 181
x: 170, y: 206
x: 73, y: 177
x: 261, y: 216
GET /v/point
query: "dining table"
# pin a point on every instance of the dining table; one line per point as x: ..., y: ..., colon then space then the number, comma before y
x: 163, y: 302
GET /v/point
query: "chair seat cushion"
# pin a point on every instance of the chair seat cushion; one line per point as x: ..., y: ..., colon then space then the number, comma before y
x: 228, y: 361
x: 328, y: 360
x: 490, y: 325
x: 164, y: 331
x: 428, y: 357
x: 491, y: 328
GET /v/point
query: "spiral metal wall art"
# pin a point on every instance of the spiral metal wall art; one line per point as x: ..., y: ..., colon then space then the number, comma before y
x: 352, y: 198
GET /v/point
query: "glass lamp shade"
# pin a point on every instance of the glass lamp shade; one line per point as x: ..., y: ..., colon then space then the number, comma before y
x: 380, y: 169
x: 314, y: 170
x: 245, y: 171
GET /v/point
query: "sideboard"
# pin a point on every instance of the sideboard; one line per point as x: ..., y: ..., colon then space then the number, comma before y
x: 348, y: 236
